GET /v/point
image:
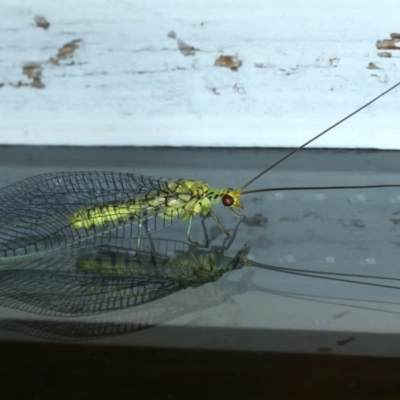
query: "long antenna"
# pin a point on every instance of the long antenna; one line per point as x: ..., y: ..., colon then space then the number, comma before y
x: 316, y: 274
x: 318, y: 136
x: 282, y: 189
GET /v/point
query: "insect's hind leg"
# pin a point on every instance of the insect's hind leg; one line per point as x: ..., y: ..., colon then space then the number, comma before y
x: 142, y: 223
x: 139, y: 237
x: 152, y: 247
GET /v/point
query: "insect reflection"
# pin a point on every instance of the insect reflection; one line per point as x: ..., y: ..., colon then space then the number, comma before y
x: 110, y: 291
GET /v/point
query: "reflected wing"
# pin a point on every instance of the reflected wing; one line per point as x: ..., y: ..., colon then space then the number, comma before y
x: 79, y: 293
x: 97, y: 281
x: 128, y: 321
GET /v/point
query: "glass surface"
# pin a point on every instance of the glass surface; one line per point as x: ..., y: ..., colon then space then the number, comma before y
x: 312, y: 239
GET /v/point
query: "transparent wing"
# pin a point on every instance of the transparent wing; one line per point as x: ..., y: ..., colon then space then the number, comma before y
x: 100, y: 280
x: 34, y: 213
x: 132, y: 320
x: 58, y: 293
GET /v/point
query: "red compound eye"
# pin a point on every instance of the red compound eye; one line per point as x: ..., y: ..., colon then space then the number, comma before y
x: 228, y: 200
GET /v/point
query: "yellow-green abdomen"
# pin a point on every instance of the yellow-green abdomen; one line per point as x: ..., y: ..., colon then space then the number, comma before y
x: 92, y: 216
x: 174, y: 199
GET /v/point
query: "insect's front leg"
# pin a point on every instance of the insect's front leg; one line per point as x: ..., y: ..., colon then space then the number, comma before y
x: 236, y: 214
x: 215, y: 219
x: 219, y: 223
x: 229, y: 240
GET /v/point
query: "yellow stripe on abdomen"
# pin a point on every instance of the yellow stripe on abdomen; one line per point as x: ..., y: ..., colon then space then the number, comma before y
x: 90, y: 217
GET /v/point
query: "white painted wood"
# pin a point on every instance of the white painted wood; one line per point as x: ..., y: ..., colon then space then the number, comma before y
x: 127, y: 83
